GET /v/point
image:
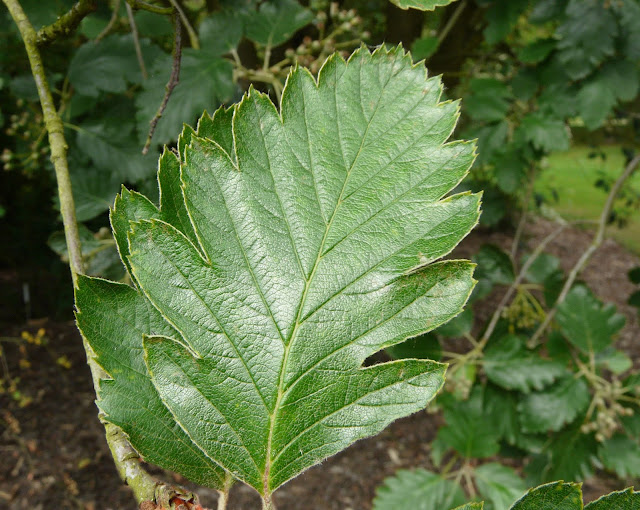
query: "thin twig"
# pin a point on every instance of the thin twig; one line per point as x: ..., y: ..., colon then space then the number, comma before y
x: 223, y: 495
x: 144, y: 6
x: 136, y: 42
x: 55, y: 130
x: 144, y: 486
x: 112, y: 22
x: 66, y: 24
x: 267, y: 57
x: 595, y: 244
x: 452, y: 21
x: 173, y: 81
x: 193, y: 37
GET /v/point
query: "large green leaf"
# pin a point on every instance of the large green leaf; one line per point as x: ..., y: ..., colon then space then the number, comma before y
x: 555, y: 407
x: 499, y: 484
x: 586, y: 322
x: 422, y: 5
x: 311, y: 248
x: 418, y: 490
x: 508, y: 363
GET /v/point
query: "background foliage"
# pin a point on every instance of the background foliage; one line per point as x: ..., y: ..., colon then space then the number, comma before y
x: 536, y: 77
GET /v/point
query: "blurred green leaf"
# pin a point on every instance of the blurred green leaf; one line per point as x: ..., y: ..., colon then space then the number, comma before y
x: 425, y: 346
x: 113, y: 149
x: 93, y: 191
x: 221, y: 31
x: 422, y: 5
x: 586, y: 322
x: 276, y: 21
x: 629, y: 15
x: 419, y: 490
x: 499, y: 484
x: 547, y: 10
x: 568, y: 455
x: 510, y: 169
x: 525, y: 84
x: 537, y: 51
x: 614, y: 360
x: 491, y: 139
x: 595, y: 102
x: 545, y: 133
x: 109, y: 65
x: 586, y: 36
x: 501, y: 18
x: 488, y: 100
x: 494, y: 264
x: 622, y: 78
x: 621, y: 455
x: 43, y: 13
x: 467, y: 429
x: 554, y: 407
x: 553, y: 287
x: 205, y: 82
x: 150, y: 24
x: 541, y: 268
x: 458, y: 326
x: 424, y: 47
x: 509, y: 364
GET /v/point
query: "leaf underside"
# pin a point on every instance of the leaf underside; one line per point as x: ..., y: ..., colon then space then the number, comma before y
x: 288, y: 247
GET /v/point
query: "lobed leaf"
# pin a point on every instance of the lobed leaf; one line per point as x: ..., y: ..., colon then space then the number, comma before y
x: 290, y: 246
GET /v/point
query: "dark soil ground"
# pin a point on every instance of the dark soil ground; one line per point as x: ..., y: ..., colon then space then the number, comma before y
x: 53, y: 454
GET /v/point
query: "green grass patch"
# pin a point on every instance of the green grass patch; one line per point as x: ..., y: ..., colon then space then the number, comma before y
x: 573, y: 175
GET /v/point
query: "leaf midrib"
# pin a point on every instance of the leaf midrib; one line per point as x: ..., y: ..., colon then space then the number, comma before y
x: 288, y: 343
